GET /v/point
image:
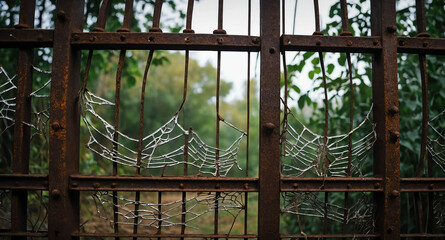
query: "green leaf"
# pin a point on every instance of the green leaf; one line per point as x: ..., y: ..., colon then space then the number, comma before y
x: 330, y: 68
x: 311, y: 74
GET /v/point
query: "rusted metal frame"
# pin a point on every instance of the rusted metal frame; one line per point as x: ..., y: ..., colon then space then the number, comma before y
x: 24, y: 181
x: 423, y: 235
x: 170, y: 184
x: 22, y: 132
x: 65, y: 122
x: 246, y: 195
x: 156, y: 16
x: 421, y: 32
x: 422, y: 185
x: 24, y: 38
x: 269, y: 161
x: 421, y: 45
x: 331, y: 43
x: 331, y: 184
x: 325, y: 236
x: 165, y: 41
x: 24, y: 234
x: 386, y: 117
x: 165, y: 235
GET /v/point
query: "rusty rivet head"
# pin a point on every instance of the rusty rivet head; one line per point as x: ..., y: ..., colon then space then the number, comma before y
x: 391, y: 29
x: 92, y: 39
x: 295, y: 185
x: 217, y: 186
x: 402, y: 43
x: 375, y: 42
x: 219, y: 40
x: 395, y: 194
x: 318, y: 43
x: 61, y: 15
x: 74, y: 184
x: 181, y: 185
x: 322, y: 187
x: 96, y: 185
x: 269, y: 127
x: 393, y: 110
x: 55, y: 125
x: 255, y: 40
x: 123, y: 37
x: 76, y: 37
x: 150, y: 39
x: 390, y: 229
x: 113, y: 185
x: 431, y: 186
x: 349, y: 186
x: 56, y: 193
x: 187, y: 39
x: 246, y: 186
x: 377, y: 185
x: 394, y: 136
x: 349, y: 43
x: 272, y: 50
x: 425, y: 44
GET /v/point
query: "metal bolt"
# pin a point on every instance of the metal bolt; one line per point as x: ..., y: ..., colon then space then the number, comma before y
x: 318, y: 43
x: 150, y: 39
x: 217, y: 186
x: 113, y: 185
x: 349, y: 186
x: 393, y: 110
x: 269, y: 127
x: 295, y: 185
x: 425, y: 44
x: 391, y: 29
x: 40, y: 37
x: 431, y: 186
x: 255, y: 40
x: 349, y: 43
x: 394, y: 136
x: 92, y: 39
x: 181, y: 185
x: 61, y: 15
x: 377, y: 185
x: 402, y: 43
x: 123, y: 37
x: 395, y: 194
x: 76, y: 37
x: 271, y: 50
x: 55, y: 125
x: 375, y: 42
x: 187, y: 39
x: 96, y: 185
x: 219, y: 40
x: 74, y: 184
x: 55, y: 193
x: 246, y: 186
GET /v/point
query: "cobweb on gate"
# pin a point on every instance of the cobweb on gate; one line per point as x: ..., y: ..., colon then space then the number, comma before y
x: 39, y: 112
x: 439, y: 210
x: 436, y: 139
x: 306, y: 152
x: 360, y: 214
x: 154, y: 154
x: 168, y: 214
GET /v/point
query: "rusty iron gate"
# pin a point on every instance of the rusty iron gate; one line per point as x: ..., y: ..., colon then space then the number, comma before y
x: 64, y: 183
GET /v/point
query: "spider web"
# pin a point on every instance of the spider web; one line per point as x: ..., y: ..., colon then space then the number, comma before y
x: 306, y: 152
x: 361, y: 214
x: 40, y: 108
x: 436, y: 140
x: 439, y: 210
x: 168, y: 214
x: 155, y: 153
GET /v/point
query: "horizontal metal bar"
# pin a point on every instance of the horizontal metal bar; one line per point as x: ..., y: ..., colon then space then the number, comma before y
x: 166, y: 41
x: 24, y: 181
x: 331, y: 184
x: 23, y: 234
x: 15, y: 38
x: 164, y: 184
x: 423, y: 235
x: 331, y: 236
x: 166, y: 235
x: 422, y: 185
x: 433, y: 46
x: 330, y: 43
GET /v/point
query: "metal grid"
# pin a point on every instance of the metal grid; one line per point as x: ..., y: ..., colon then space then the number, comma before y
x: 64, y: 183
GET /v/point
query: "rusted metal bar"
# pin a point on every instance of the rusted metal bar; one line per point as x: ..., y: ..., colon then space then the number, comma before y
x: 22, y: 132
x: 24, y: 181
x: 102, y: 16
x: 330, y: 236
x: 157, y: 16
x: 64, y: 119
x: 220, y: 29
x: 165, y: 41
x: 386, y: 117
x: 422, y: 184
x: 188, y: 24
x: 218, y: 121
x: 269, y: 162
x: 175, y: 184
x: 246, y: 195
x: 24, y: 234
x: 331, y: 43
x: 165, y: 235
x: 26, y: 37
x: 331, y: 184
x: 421, y: 45
x: 423, y: 235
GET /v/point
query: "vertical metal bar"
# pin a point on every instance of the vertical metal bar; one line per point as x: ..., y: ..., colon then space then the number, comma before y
x: 220, y: 29
x: 157, y: 16
x: 269, y: 162
x: 21, y: 145
x: 317, y: 19
x: 246, y: 195
x: 102, y: 16
x: 63, y: 209
x: 344, y: 18
x: 386, y: 117
x: 218, y: 121
x: 159, y: 213
x: 188, y: 25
